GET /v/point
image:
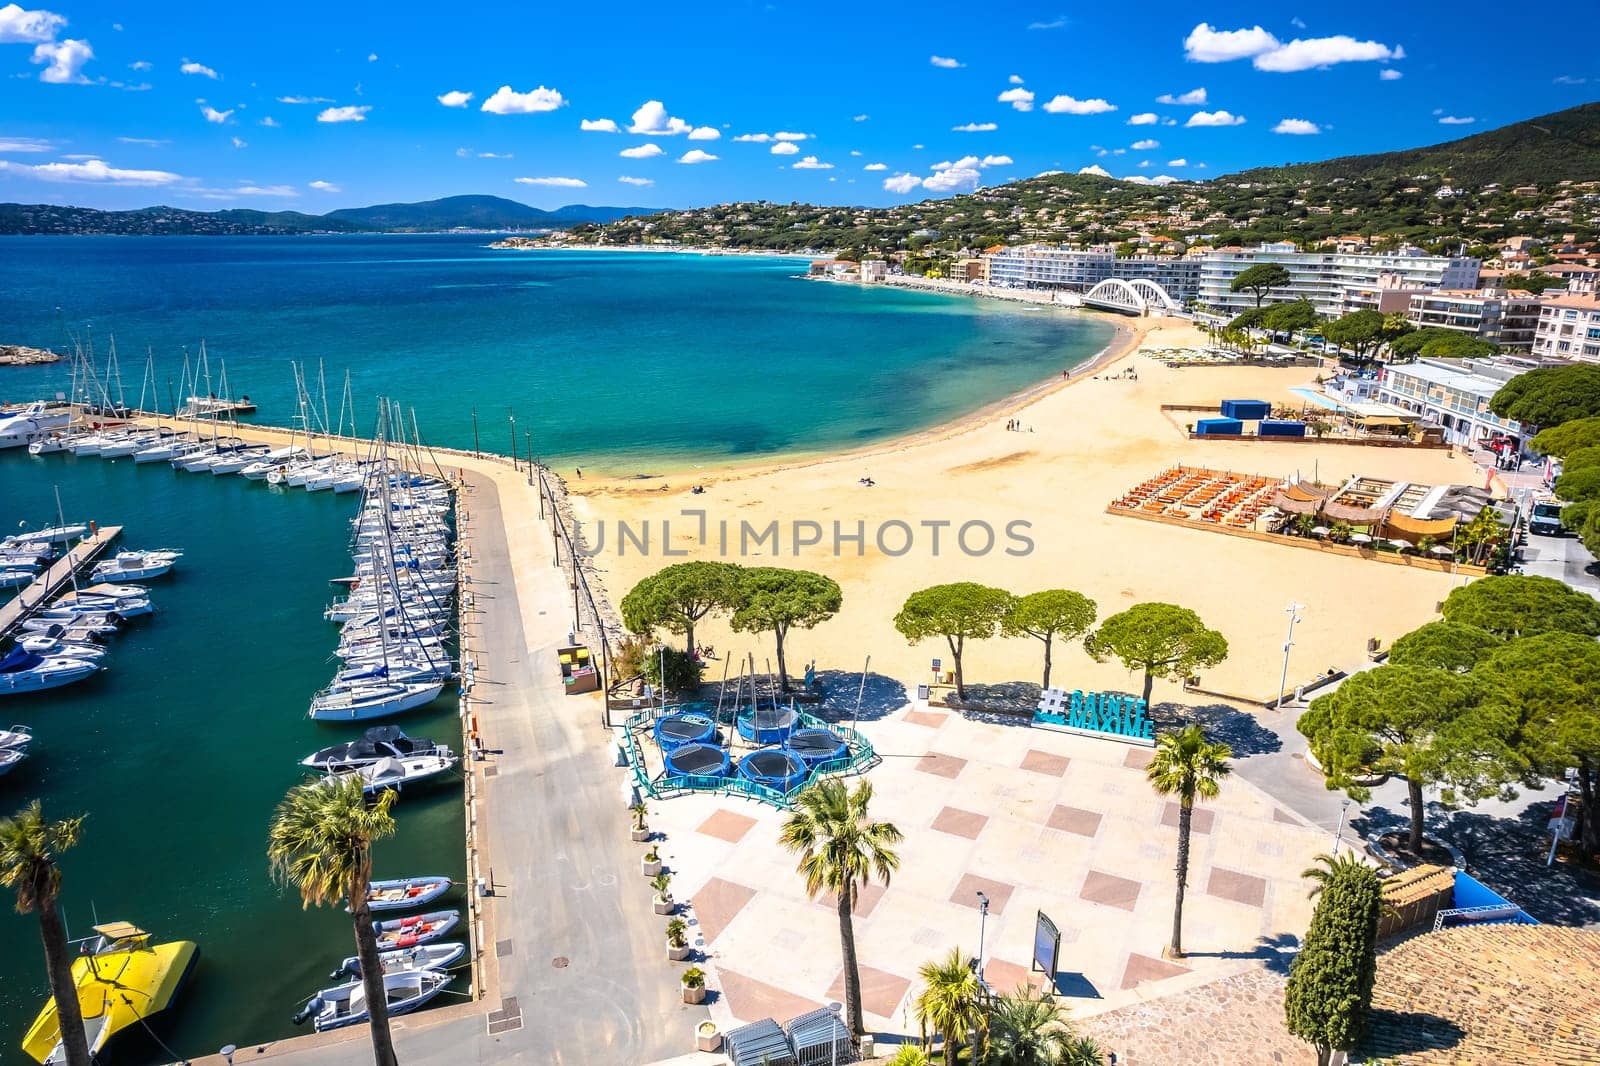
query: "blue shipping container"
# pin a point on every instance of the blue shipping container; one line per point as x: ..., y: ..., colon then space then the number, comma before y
x: 1248, y: 410
x: 1281, y: 428
x: 1219, y: 427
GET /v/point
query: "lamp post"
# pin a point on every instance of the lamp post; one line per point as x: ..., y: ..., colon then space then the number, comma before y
x: 834, y: 1006
x: 476, y: 454
x: 515, y: 465
x: 983, y: 924
x: 1338, y: 834
x: 529, y: 434
x: 1293, y: 611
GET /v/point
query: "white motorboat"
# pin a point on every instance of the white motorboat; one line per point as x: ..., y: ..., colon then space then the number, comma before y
x: 49, y: 444
x: 41, y: 644
x: 376, y: 743
x: 48, y: 535
x: 346, y: 1004
x: 10, y: 579
x: 136, y: 565
x: 397, y: 773
x: 94, y: 625
x: 21, y: 428
x: 71, y: 633
x: 421, y: 957
x: 23, y: 671
x: 10, y: 757
x: 122, y: 606
x: 18, y: 736
x: 374, y: 700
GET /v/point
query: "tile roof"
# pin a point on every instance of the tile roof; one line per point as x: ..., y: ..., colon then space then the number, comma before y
x: 1488, y: 995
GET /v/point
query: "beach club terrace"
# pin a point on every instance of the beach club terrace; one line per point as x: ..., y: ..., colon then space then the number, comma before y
x: 1396, y: 521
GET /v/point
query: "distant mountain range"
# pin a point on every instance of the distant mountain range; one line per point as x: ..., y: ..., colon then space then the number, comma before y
x: 452, y: 212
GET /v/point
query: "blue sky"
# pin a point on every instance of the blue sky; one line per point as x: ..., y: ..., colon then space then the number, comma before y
x: 317, y: 106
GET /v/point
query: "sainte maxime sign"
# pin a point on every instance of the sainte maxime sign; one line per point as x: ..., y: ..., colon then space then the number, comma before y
x: 1099, y: 714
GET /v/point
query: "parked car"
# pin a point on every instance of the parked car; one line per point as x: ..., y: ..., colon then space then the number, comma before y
x: 1545, y: 520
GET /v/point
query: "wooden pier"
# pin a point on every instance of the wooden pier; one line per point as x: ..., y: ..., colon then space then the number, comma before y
x: 47, y: 585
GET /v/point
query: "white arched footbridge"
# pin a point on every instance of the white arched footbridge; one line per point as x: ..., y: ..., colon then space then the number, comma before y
x: 1137, y: 297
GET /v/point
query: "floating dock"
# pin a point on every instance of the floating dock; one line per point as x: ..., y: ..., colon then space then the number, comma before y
x: 45, y: 587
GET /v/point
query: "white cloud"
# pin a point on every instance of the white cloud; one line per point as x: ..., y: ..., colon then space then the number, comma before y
x: 599, y: 125
x: 811, y: 162
x: 1140, y: 179
x: 147, y: 142
x: 344, y: 114
x: 860, y: 118
x: 1145, y: 145
x: 1298, y: 23
x: 945, y: 62
x: 372, y: 57
x: 1015, y: 79
x: 1144, y: 162
x: 954, y: 177
x: 1452, y: 120
x: 754, y: 138
x: 94, y: 171
x: 9, y: 145
x: 455, y: 98
x: 641, y: 151
x: 705, y: 133
x: 1208, y: 45
x: 81, y: 156
x: 1389, y: 74
x: 1071, y: 106
x: 1205, y: 44
x: 240, y: 142
x: 269, y: 122
x: 652, y: 120
x: 786, y: 148
x: 695, y: 155
x: 191, y: 67
x: 1095, y: 169
x: 785, y: 135
x: 1215, y: 118
x: 1324, y: 52
x: 1297, y: 126
x: 901, y: 183
x: 304, y: 100
x: 1021, y: 99
x: 636, y: 181
x: 876, y: 166
x: 141, y: 64
x: 1054, y: 24
x: 974, y: 127
x: 324, y: 186
x: 854, y: 151
x: 65, y: 61
x: 1177, y: 162
x: 996, y: 161
x: 507, y: 101
x: 495, y: 155
x: 266, y: 190
x: 215, y: 116
x: 1559, y: 79
x: 1143, y: 118
x: 28, y: 27
x: 559, y: 183
x: 1192, y: 98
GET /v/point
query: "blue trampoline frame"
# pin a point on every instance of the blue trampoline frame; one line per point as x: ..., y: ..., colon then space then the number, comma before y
x: 840, y: 749
x: 724, y: 769
x: 667, y: 744
x: 785, y: 784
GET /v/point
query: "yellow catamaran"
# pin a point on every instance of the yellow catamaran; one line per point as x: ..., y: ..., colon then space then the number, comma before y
x: 122, y: 980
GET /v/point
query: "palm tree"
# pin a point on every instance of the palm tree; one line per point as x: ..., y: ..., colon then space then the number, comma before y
x: 948, y: 1002
x: 1081, y: 1051
x: 840, y: 847
x: 1027, y: 1028
x: 320, y: 841
x: 29, y: 847
x: 1190, y: 767
x: 1326, y: 868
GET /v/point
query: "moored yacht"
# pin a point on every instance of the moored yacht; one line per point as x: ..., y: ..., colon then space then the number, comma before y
x: 21, y: 428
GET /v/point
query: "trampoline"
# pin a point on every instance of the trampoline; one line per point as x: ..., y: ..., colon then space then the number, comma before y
x: 697, y: 760
x: 774, y: 768
x: 769, y: 725
x: 676, y: 730
x: 816, y: 746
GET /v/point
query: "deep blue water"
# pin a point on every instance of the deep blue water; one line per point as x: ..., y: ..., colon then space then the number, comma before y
x: 622, y: 359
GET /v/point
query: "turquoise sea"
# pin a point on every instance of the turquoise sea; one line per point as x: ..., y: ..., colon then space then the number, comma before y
x: 179, y: 750
x: 629, y: 361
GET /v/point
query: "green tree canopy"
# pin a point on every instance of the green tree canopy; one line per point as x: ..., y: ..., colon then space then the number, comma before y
x: 1550, y: 396
x: 1583, y: 458
x: 958, y: 612
x: 773, y: 599
x: 1521, y: 605
x: 1580, y: 483
x: 1429, y: 725
x: 1360, y: 331
x: 1161, y: 639
x: 1295, y: 316
x: 1249, y: 318
x: 1259, y: 279
x: 676, y: 597
x: 1047, y: 615
x: 1330, y: 980
x: 1445, y: 646
x: 1568, y: 437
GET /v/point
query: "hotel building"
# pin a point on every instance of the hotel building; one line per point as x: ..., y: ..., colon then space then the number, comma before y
x: 1039, y: 266
x: 1569, y: 328
x: 1328, y: 280
x: 1455, y: 394
x: 1509, y: 319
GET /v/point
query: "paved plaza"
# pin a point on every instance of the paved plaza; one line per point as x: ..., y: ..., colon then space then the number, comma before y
x: 1037, y: 820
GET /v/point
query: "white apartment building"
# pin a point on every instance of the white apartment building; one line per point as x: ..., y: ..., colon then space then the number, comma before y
x: 1509, y: 319
x: 1325, y: 278
x: 1040, y: 266
x: 1569, y: 328
x: 1455, y: 394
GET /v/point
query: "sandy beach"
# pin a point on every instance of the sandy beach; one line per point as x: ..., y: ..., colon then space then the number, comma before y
x: 1082, y: 443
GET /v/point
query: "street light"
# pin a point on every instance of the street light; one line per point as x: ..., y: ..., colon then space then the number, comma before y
x: 513, y: 418
x: 227, y: 1052
x: 1344, y: 809
x: 835, y: 1007
x: 1293, y: 611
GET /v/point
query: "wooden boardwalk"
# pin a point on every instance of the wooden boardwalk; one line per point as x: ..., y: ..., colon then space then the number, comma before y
x: 47, y: 585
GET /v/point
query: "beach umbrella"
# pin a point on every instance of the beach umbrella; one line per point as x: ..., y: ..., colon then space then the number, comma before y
x: 1442, y: 549
x: 1320, y: 531
x: 1402, y: 545
x: 1360, y: 538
